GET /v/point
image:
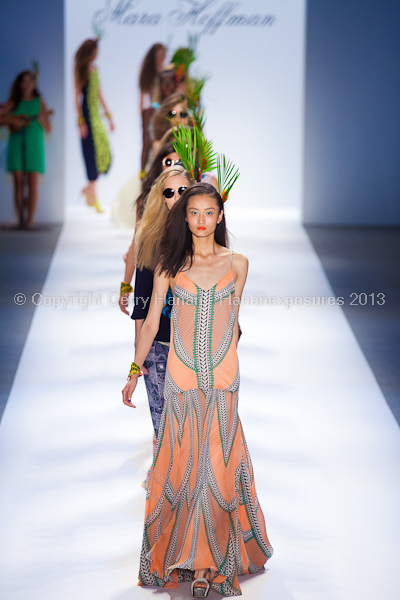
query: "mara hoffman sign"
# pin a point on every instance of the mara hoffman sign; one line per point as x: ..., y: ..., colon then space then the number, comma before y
x: 204, y: 17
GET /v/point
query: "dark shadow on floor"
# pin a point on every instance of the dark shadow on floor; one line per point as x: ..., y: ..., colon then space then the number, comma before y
x: 25, y: 257
x: 361, y: 263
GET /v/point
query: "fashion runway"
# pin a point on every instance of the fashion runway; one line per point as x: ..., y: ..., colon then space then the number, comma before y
x: 324, y: 444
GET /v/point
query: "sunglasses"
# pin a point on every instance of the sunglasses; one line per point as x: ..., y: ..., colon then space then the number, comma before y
x: 172, y: 114
x: 169, y: 192
x: 169, y: 162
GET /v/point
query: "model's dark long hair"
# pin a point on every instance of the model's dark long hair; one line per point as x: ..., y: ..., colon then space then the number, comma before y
x: 16, y: 93
x: 155, y: 170
x: 83, y: 57
x: 176, y: 246
x: 148, y: 72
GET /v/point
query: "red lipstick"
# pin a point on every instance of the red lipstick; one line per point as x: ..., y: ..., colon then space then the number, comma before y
x: 201, y: 228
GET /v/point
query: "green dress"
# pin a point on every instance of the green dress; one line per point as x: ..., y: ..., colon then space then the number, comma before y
x: 26, y: 146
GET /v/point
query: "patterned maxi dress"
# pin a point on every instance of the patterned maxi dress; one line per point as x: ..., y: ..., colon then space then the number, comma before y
x: 202, y: 509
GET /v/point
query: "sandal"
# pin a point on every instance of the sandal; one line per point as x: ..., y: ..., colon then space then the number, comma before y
x: 201, y: 591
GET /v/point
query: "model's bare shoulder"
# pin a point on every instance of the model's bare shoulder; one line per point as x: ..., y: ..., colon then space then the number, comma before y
x: 241, y: 260
x: 240, y: 265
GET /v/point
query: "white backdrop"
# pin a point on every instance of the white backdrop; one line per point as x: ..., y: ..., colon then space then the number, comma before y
x: 253, y: 102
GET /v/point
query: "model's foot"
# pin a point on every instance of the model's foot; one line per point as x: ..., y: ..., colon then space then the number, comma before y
x: 97, y: 206
x: 200, y: 585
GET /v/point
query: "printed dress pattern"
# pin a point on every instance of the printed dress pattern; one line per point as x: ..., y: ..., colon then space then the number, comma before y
x: 95, y: 146
x: 202, y: 509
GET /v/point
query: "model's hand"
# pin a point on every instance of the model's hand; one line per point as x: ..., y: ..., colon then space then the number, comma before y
x: 16, y: 123
x: 128, y: 391
x: 123, y: 302
x: 83, y: 131
x: 112, y: 126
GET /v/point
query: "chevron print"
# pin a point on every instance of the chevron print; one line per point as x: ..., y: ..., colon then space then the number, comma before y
x: 201, y: 499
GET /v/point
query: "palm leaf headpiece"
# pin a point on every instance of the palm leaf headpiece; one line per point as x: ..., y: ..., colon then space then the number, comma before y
x: 35, y: 68
x: 227, y: 176
x: 184, y: 56
x: 197, y: 150
x: 194, y: 150
x: 98, y: 31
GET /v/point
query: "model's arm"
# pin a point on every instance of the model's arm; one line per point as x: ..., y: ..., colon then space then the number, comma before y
x: 106, y: 109
x: 44, y: 118
x: 7, y: 108
x: 240, y: 268
x: 138, y: 329
x: 129, y: 271
x: 148, y: 332
x: 7, y: 119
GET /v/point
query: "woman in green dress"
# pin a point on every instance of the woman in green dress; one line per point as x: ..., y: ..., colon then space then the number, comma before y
x: 88, y: 98
x: 28, y: 118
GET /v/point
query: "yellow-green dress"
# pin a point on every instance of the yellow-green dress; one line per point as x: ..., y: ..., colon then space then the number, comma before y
x: 26, y: 146
x: 95, y: 147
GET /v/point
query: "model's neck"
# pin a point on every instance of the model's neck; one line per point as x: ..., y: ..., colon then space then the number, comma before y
x: 204, y: 245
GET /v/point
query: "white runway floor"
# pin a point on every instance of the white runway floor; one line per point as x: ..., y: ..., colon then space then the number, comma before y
x: 325, y: 447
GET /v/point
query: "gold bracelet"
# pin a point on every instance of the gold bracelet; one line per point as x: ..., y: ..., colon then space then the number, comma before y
x: 108, y: 115
x: 126, y: 287
x: 142, y: 174
x: 81, y: 120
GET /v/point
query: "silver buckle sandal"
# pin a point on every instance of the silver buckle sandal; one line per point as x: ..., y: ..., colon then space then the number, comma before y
x: 201, y: 591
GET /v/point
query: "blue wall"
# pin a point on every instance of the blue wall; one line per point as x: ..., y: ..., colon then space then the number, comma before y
x: 352, y: 112
x: 35, y: 30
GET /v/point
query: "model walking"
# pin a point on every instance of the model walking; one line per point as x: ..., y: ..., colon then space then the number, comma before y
x: 164, y: 194
x: 165, y: 158
x: 203, y: 519
x: 27, y: 115
x: 88, y: 97
x: 148, y: 83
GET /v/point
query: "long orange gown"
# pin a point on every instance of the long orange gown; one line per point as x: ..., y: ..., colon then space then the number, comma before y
x: 202, y: 509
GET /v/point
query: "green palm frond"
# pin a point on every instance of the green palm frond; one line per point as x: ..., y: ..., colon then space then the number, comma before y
x: 183, y: 146
x: 35, y: 67
x: 197, y: 116
x: 227, y: 175
x: 207, y: 156
x: 194, y: 87
x: 98, y: 31
x: 184, y: 56
x: 194, y: 150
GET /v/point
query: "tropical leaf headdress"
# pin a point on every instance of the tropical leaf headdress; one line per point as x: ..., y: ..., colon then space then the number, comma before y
x: 227, y: 176
x: 194, y: 87
x: 196, y: 150
x: 98, y: 31
x: 184, y: 56
x: 35, y: 68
